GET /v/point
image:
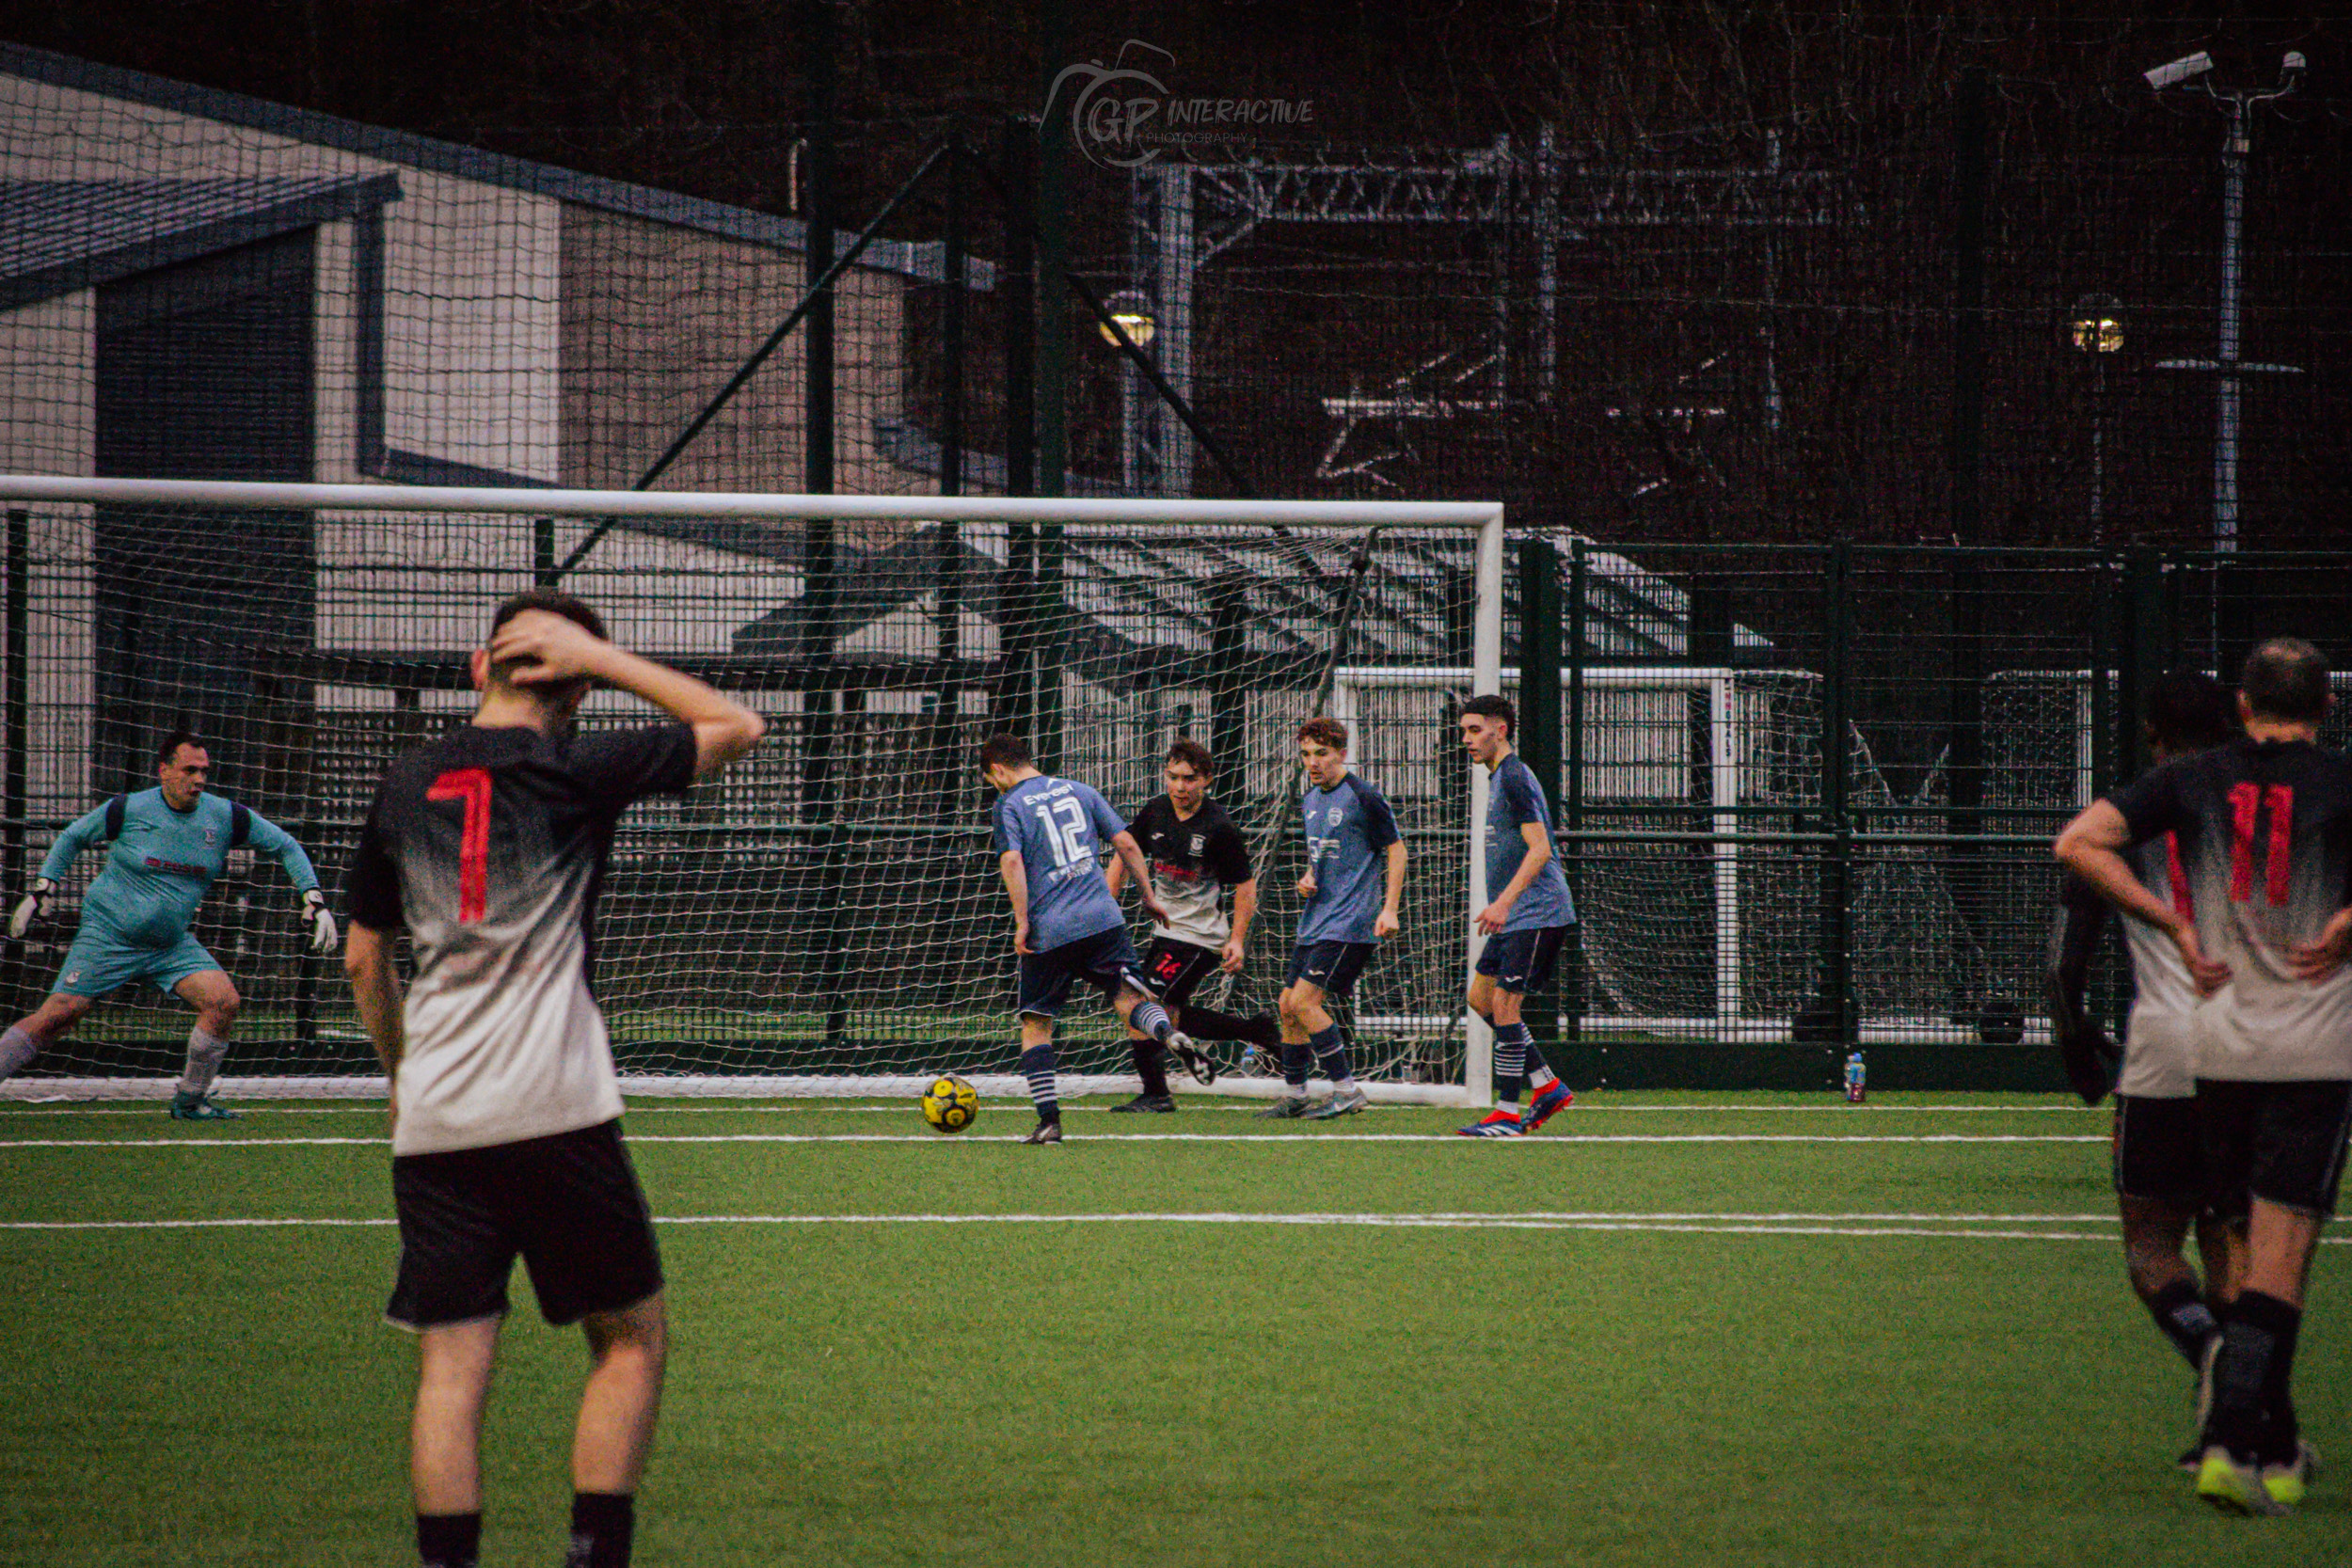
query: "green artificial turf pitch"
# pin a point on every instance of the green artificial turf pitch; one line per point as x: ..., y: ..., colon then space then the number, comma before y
x: 1705, y: 1329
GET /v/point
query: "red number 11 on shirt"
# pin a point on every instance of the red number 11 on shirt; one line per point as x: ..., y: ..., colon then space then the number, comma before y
x: 472, y: 787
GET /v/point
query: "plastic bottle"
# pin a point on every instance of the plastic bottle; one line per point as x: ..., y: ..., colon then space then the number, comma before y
x: 1855, y: 1071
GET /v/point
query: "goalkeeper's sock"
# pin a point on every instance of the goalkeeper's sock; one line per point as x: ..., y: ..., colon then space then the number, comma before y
x: 1331, y: 1055
x: 205, y: 1054
x: 449, y: 1539
x: 2180, y: 1312
x: 1037, y: 1066
x: 1151, y: 1065
x: 1511, y: 1044
x: 1152, y: 1020
x: 602, y: 1525
x: 16, y: 1049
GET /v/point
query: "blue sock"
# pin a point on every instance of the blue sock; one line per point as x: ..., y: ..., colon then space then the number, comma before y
x: 1297, y: 1054
x: 1511, y: 1048
x: 1331, y: 1053
x: 1037, y: 1066
x: 1152, y: 1020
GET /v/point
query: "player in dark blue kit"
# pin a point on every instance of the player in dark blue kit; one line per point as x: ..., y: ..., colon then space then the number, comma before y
x: 1355, y: 875
x: 166, y: 847
x: 1067, y: 927
x: 1525, y: 921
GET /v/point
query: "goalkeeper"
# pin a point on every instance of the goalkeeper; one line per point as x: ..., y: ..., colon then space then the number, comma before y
x: 169, y: 844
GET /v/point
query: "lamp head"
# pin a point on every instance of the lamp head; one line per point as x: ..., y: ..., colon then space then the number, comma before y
x: 2181, y: 71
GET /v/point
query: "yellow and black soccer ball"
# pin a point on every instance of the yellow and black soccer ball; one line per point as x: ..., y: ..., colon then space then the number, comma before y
x: 951, y: 1104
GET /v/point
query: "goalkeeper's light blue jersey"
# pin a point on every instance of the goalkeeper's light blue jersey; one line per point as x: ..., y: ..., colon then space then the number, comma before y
x: 162, y: 863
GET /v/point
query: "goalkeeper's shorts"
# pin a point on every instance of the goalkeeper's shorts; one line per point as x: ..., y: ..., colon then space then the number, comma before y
x: 99, y: 965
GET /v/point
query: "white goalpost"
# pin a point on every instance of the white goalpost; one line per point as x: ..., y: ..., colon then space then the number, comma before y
x: 821, y: 920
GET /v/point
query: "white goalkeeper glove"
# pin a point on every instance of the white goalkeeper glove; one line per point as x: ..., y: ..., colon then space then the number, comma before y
x: 322, y: 923
x: 30, y: 907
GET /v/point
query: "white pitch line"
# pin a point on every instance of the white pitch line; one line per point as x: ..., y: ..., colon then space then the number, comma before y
x: 1929, y: 1227
x: 1119, y: 1140
x: 1192, y: 1103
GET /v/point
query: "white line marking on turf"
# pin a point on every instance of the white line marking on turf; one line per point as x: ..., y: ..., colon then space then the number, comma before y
x: 1192, y: 1103
x: 1931, y: 1227
x: 1119, y: 1140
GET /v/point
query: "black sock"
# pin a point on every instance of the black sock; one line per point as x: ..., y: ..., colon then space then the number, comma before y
x: 2254, y: 1366
x: 602, y: 1524
x: 2186, y: 1320
x: 449, y: 1539
x: 1510, y: 1061
x: 1331, y: 1048
x: 1037, y: 1066
x: 1151, y: 1065
x: 1296, y: 1057
x: 2277, y: 1401
x: 1207, y: 1023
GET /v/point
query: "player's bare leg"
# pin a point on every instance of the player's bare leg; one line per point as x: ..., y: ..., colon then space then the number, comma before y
x: 47, y: 1024
x: 445, y: 1437
x: 216, y: 1004
x: 617, y: 1409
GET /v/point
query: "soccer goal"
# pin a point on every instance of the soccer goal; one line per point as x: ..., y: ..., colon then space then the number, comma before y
x: 825, y: 917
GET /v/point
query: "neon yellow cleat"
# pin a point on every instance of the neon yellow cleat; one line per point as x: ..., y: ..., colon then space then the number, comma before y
x: 2236, y: 1488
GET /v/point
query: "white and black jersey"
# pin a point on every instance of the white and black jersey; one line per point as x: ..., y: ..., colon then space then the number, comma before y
x: 1193, y: 861
x: 489, y: 846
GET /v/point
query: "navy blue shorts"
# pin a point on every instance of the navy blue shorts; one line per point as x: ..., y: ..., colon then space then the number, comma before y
x: 1330, y: 967
x: 1106, y: 960
x: 1522, y: 962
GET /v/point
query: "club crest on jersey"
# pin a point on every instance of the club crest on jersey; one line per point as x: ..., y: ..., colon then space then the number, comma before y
x: 1333, y: 815
x: 209, y: 834
x: 1199, y: 842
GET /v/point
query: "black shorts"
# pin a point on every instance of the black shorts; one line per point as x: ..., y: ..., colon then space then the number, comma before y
x: 1330, y: 967
x: 2283, y: 1142
x: 1522, y: 962
x: 2158, y: 1154
x: 1173, y: 969
x: 568, y: 1204
x: 1106, y: 960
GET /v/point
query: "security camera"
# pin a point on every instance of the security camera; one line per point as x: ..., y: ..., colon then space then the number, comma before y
x: 2181, y: 71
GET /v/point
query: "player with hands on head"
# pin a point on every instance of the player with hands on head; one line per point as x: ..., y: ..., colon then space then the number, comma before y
x: 166, y: 847
x: 2263, y: 826
x: 1525, y: 922
x: 1195, y: 852
x: 1354, y: 880
x: 489, y: 846
x: 2157, y: 1151
x: 1049, y: 835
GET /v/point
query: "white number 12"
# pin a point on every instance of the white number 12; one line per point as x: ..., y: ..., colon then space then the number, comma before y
x: 1067, y: 837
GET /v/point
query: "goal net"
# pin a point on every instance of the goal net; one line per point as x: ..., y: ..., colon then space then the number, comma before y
x: 826, y: 914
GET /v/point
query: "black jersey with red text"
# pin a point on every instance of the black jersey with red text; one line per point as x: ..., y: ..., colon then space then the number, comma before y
x: 2264, y: 834
x: 1193, y: 861
x: 489, y: 846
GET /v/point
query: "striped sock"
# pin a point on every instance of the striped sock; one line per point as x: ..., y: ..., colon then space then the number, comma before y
x: 1152, y: 1020
x: 1331, y: 1055
x: 1037, y: 1066
x: 1539, y: 1075
x: 1511, y: 1048
x: 1297, y: 1054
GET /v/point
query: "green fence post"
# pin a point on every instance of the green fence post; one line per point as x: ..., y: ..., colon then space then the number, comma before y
x: 1539, y: 717
x: 1836, y: 913
x: 1574, y: 997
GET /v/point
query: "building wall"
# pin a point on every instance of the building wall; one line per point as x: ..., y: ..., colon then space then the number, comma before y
x: 48, y: 425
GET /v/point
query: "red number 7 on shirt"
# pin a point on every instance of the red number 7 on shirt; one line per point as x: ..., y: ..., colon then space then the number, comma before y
x: 2245, y: 798
x: 472, y: 787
